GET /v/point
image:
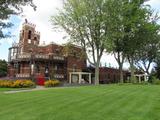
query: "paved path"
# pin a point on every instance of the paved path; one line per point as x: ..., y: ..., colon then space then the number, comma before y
x: 43, y: 88
x: 27, y: 90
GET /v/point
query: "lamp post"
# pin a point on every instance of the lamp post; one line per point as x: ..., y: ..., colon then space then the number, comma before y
x: 32, y: 66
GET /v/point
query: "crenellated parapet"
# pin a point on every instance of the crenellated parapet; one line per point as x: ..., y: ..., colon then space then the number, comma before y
x: 29, y: 24
x: 37, y: 32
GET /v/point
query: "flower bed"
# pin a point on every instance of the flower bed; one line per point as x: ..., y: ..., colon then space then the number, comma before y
x: 16, y: 84
x: 51, y: 83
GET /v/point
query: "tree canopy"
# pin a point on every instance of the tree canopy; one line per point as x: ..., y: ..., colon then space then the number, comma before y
x: 8, y: 8
x: 3, y: 68
x: 123, y: 27
x: 85, y: 22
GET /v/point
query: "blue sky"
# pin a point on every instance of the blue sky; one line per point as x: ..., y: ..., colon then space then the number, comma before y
x: 6, y: 43
x: 41, y: 18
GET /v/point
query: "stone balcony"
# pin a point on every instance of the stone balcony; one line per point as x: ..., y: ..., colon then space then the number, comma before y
x: 22, y: 75
x: 28, y: 57
x: 24, y: 56
x: 39, y: 56
x: 58, y: 58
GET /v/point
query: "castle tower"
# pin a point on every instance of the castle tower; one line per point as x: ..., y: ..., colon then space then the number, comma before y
x: 29, y: 37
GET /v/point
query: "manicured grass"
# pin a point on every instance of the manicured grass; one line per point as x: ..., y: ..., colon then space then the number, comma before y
x: 6, y: 89
x: 105, y: 102
x: 13, y: 89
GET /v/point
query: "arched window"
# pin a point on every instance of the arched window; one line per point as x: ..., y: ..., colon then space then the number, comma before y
x: 35, y: 38
x: 29, y: 34
x: 23, y: 33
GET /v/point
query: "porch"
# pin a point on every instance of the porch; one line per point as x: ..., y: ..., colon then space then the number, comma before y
x: 80, y: 77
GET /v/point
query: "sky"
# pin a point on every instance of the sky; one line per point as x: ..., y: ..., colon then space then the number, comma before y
x: 41, y: 17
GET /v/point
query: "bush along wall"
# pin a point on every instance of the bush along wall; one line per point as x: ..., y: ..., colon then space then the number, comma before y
x: 16, y: 84
x: 51, y: 83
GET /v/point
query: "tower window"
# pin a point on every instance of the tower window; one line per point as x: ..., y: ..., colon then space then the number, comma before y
x: 29, y: 34
x: 23, y: 33
x: 35, y: 42
x: 35, y: 38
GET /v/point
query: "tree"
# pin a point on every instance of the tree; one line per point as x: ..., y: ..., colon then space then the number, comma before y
x: 156, y: 69
x: 116, y: 32
x: 126, y: 23
x: 3, y: 68
x: 86, y: 24
x: 149, y: 52
x: 136, y: 19
x: 8, y: 8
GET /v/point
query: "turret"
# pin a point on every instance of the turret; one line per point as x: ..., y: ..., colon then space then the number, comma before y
x: 29, y: 37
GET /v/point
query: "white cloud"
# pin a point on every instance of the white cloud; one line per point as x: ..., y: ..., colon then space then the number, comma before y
x: 154, y: 2
x: 155, y: 5
x: 41, y: 17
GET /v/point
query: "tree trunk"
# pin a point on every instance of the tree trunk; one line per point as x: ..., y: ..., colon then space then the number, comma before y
x: 97, y: 74
x: 121, y: 73
x: 133, y: 79
x: 120, y: 60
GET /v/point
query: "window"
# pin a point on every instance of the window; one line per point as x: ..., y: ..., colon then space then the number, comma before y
x: 29, y: 34
x: 56, y: 67
x: 114, y: 77
x: 23, y: 33
x: 35, y: 38
x: 74, y: 68
x: 21, y: 50
x: 29, y: 41
x: 19, y: 68
x: 37, y: 68
x: 35, y: 42
x: 108, y: 76
x: 57, y: 51
x: 74, y: 54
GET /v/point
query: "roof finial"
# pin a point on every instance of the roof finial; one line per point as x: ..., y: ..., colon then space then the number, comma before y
x: 26, y: 21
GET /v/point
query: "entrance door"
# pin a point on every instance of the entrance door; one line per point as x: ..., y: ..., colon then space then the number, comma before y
x: 40, y: 80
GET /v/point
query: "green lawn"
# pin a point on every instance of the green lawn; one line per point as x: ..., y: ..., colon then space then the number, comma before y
x: 105, y: 102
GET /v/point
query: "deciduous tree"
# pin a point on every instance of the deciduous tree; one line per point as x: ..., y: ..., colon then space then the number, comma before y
x: 3, y: 68
x: 86, y: 24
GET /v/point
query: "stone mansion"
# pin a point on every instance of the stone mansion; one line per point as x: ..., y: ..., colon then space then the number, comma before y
x: 28, y: 58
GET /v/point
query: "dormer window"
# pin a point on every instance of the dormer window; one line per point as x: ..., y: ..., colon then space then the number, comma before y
x: 29, y: 34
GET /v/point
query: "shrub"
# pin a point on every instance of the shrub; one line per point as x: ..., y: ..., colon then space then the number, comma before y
x: 155, y: 81
x: 17, y: 83
x: 5, y: 83
x: 51, y: 83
